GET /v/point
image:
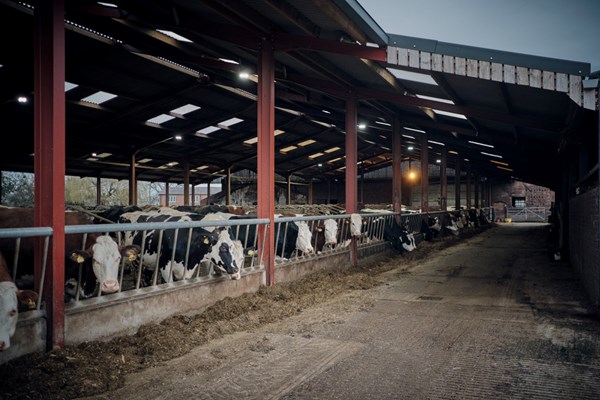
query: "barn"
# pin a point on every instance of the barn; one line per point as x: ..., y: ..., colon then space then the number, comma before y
x: 309, y: 97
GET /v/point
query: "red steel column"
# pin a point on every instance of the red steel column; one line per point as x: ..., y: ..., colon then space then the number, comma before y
x: 444, y: 181
x: 228, y: 187
x: 98, y: 191
x: 351, y: 167
x: 208, y: 193
x: 476, y: 190
x: 166, y: 193
x: 397, y: 166
x: 266, y: 156
x: 186, y: 184
x: 49, y: 160
x: 424, y: 174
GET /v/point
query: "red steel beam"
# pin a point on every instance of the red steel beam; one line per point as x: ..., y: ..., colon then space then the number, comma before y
x: 49, y: 160
x: 351, y: 167
x: 266, y: 156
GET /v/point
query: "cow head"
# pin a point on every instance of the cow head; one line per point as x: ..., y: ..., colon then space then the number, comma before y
x: 356, y: 225
x: 8, y: 313
x: 331, y: 229
x: 227, y: 254
x: 303, y: 241
x: 106, y: 258
x: 408, y: 241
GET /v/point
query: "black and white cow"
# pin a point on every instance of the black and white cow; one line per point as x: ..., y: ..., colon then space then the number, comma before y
x: 399, y: 236
x: 215, y: 246
x: 430, y: 228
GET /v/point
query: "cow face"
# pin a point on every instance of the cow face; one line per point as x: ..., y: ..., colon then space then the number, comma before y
x: 303, y: 241
x: 105, y: 263
x: 356, y: 225
x: 227, y: 254
x: 8, y: 313
x: 331, y: 229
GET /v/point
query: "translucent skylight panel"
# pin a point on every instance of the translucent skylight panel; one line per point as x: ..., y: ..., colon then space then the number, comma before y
x: 102, y: 3
x: 412, y: 76
x: 490, y: 154
x: 333, y: 149
x: 159, y: 119
x: 99, y: 97
x: 316, y: 155
x: 69, y: 86
x: 251, y: 140
x: 287, y: 149
x: 103, y: 155
x: 306, y: 142
x: 188, y: 108
x: 174, y: 35
x: 278, y: 132
x: 227, y: 60
x: 383, y: 123
x: 434, y: 142
x: 208, y: 129
x: 144, y: 160
x: 334, y: 160
x: 481, y: 144
x: 229, y: 122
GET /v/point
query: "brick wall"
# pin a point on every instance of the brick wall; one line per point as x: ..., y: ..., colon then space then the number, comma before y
x: 584, y: 241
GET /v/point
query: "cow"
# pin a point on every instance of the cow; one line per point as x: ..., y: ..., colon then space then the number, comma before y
x: 290, y: 237
x: 448, y: 224
x: 430, y: 228
x: 98, y: 258
x: 9, y: 312
x: 399, y: 236
x: 204, y: 245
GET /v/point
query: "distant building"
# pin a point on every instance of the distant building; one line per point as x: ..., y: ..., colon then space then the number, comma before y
x: 197, y: 197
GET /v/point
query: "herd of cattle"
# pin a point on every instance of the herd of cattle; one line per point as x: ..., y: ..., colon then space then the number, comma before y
x: 93, y: 261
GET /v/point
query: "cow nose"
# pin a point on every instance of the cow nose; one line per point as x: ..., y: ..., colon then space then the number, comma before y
x: 110, y: 286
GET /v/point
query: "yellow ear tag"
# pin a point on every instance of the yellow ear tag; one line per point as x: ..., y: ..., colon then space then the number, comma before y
x: 132, y: 257
x: 251, y: 252
x: 319, y: 230
x: 79, y: 260
x: 206, y: 241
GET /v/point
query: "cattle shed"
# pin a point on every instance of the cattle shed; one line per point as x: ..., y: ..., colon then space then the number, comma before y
x: 308, y: 91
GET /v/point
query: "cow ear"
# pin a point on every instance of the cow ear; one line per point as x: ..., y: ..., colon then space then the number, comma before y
x: 79, y: 256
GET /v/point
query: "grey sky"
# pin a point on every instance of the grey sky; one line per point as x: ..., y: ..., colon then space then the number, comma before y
x: 565, y: 29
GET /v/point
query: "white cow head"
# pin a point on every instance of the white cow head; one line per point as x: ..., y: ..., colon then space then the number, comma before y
x: 8, y: 313
x: 303, y: 242
x: 226, y: 254
x: 355, y: 225
x: 106, y: 260
x: 331, y: 229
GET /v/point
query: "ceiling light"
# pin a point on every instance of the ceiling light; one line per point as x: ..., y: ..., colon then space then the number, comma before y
x: 319, y: 165
x: 438, y: 161
x: 22, y: 99
x: 326, y: 111
x: 490, y: 154
x: 410, y: 148
x: 481, y: 144
x: 434, y: 142
x: 453, y: 152
x: 414, y: 130
x: 244, y: 75
x: 362, y: 126
x: 178, y: 137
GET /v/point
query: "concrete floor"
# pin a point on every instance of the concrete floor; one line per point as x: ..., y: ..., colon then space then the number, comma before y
x: 490, y: 318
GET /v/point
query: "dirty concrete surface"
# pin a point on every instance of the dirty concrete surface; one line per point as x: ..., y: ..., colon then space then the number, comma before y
x: 492, y: 317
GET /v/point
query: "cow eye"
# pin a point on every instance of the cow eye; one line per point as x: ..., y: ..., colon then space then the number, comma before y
x: 12, y: 312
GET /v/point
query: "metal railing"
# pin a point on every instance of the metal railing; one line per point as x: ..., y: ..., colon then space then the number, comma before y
x: 527, y: 214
